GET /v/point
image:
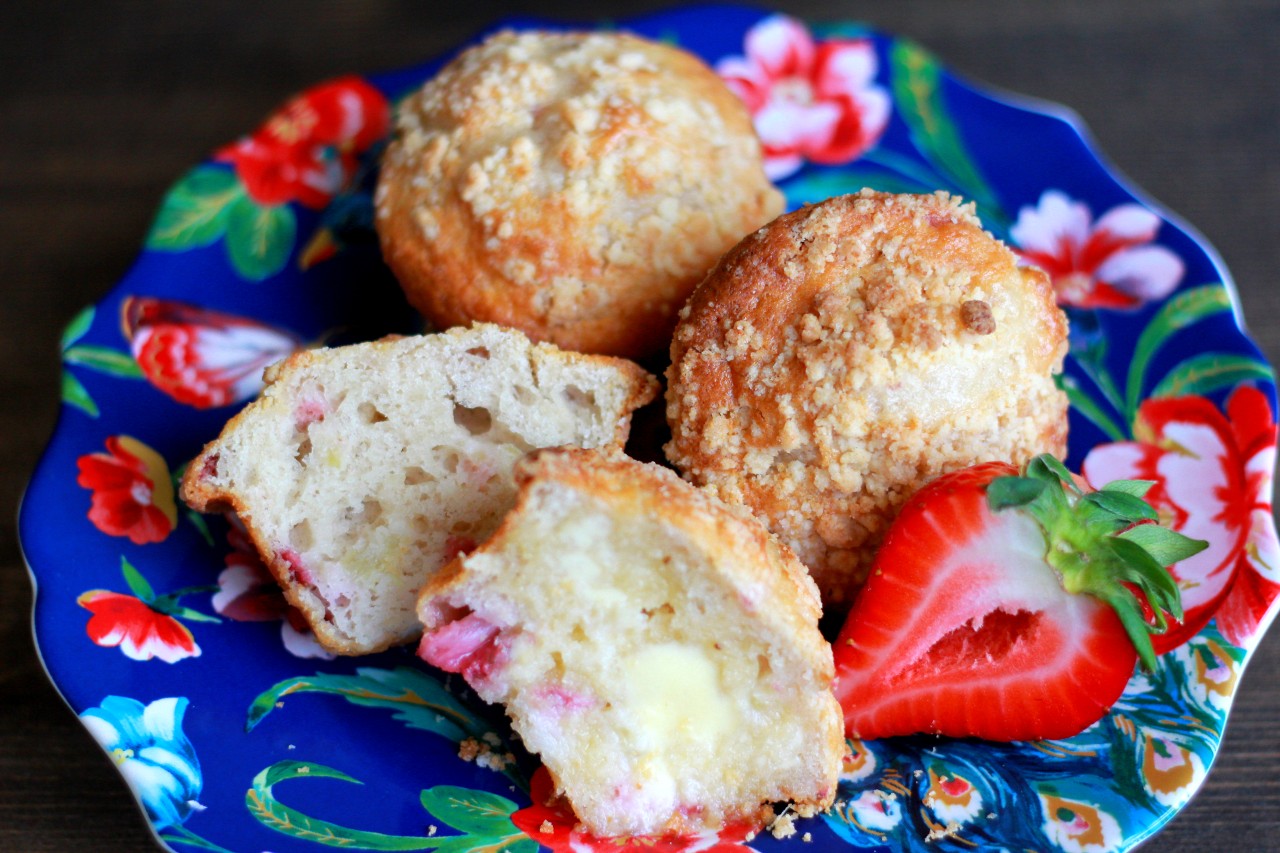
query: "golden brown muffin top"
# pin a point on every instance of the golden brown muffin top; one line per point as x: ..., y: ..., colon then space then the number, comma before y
x: 588, y: 179
x: 841, y: 354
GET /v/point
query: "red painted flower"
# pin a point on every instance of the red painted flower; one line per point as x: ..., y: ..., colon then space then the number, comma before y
x: 141, y: 632
x: 132, y: 491
x: 551, y: 823
x: 1212, y: 481
x: 307, y: 150
x: 808, y: 100
x: 248, y: 593
x: 1105, y: 264
x: 201, y: 357
x: 246, y: 590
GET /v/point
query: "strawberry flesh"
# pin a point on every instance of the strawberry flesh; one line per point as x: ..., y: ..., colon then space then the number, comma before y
x: 963, y: 628
x: 469, y: 645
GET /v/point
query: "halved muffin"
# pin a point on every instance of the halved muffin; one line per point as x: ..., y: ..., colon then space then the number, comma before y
x: 362, y: 470
x: 658, y: 649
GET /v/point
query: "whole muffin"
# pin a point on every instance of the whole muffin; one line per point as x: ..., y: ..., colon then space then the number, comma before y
x: 575, y: 186
x: 847, y: 353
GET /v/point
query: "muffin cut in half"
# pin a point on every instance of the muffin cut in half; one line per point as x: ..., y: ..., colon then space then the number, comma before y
x: 658, y: 649
x: 361, y: 470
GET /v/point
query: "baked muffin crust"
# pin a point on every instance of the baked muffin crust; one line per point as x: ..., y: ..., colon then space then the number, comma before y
x: 575, y: 186
x: 847, y: 353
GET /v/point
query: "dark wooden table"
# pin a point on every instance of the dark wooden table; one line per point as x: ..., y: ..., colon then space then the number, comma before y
x: 104, y: 104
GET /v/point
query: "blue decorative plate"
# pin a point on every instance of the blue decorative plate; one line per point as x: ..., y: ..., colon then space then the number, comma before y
x: 166, y: 636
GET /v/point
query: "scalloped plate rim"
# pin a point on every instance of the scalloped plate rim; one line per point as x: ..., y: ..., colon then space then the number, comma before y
x: 1015, y: 100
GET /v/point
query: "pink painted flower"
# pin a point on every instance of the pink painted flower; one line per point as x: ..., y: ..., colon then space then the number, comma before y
x: 1212, y: 478
x: 248, y: 593
x: 132, y: 491
x: 201, y: 357
x: 307, y: 150
x: 246, y: 590
x: 809, y: 100
x: 551, y: 823
x: 1105, y: 264
x: 140, y: 631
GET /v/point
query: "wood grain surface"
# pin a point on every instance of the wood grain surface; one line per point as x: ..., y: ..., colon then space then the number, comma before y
x: 104, y: 104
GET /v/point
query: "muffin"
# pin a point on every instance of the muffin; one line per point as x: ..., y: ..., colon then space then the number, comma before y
x: 362, y: 470
x: 657, y: 649
x: 574, y: 186
x: 849, y: 352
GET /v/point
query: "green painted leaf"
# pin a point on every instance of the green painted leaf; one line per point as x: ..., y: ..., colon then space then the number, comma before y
x: 259, y: 237
x: 917, y: 78
x: 413, y: 697
x: 825, y: 30
x: 104, y: 360
x: 137, y: 583
x: 75, y: 394
x: 194, y: 211
x: 78, y: 326
x: 266, y: 809
x: 282, y: 771
x: 189, y: 615
x: 1183, y: 310
x: 522, y: 844
x: 1209, y: 372
x: 813, y: 187
x: 179, y: 834
x: 201, y: 526
x: 470, y: 811
x: 515, y: 843
x: 1086, y: 406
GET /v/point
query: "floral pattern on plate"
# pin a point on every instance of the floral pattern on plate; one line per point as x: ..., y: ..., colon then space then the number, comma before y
x: 253, y: 253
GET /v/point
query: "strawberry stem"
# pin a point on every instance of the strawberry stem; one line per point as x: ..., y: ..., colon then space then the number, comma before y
x: 1104, y: 543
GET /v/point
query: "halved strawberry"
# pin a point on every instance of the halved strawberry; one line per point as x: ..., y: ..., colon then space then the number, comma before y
x: 1006, y: 607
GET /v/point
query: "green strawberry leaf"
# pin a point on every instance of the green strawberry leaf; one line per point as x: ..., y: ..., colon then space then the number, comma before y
x: 1091, y: 544
x: 1182, y: 310
x: 1008, y: 492
x: 138, y: 585
x: 1136, y: 488
x: 104, y: 360
x: 75, y: 394
x: 78, y: 327
x: 1135, y: 626
x: 259, y: 237
x: 1164, y: 545
x: 194, y: 211
x: 1155, y: 580
x: 1209, y: 372
x: 1127, y: 507
x: 470, y: 811
x: 1047, y: 467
